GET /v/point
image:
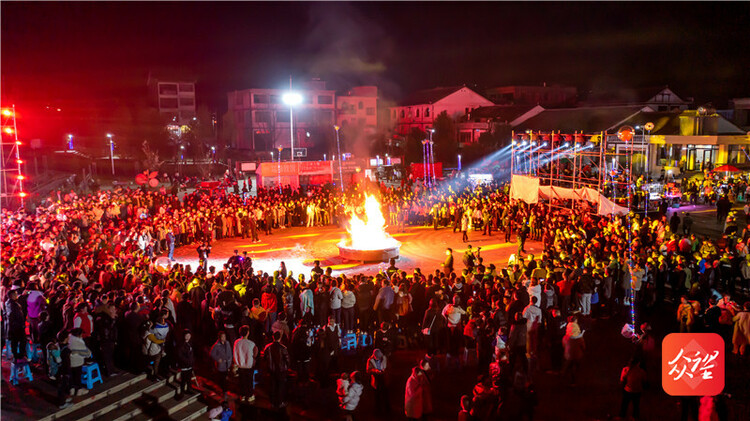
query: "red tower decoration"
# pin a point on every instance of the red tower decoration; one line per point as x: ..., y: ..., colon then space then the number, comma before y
x: 11, y: 181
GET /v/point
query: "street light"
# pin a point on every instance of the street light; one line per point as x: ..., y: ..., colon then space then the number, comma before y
x: 459, y: 162
x: 70, y: 142
x: 280, y: 148
x: 291, y: 99
x: 111, y: 152
x: 338, y: 151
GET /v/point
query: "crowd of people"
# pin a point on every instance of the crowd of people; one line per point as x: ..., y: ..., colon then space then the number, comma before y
x: 82, y: 280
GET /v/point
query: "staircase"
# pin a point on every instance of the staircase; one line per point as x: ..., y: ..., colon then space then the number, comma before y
x: 135, y: 399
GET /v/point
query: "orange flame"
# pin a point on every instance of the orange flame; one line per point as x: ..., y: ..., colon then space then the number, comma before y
x: 369, y: 234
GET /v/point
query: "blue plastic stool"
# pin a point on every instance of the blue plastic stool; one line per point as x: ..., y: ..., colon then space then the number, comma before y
x: 34, y: 352
x: 365, y: 340
x: 349, y: 342
x: 90, y: 375
x: 18, y: 370
x: 256, y: 375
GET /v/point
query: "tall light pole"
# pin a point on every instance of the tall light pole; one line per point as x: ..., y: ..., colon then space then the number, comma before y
x: 459, y: 162
x: 338, y: 151
x: 279, y: 167
x: 111, y: 152
x: 432, y: 157
x: 291, y: 99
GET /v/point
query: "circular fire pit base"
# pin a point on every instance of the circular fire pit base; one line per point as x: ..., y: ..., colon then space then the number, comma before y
x: 380, y: 255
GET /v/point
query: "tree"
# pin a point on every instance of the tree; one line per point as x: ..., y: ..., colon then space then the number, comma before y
x: 446, y: 146
x: 152, y: 161
x: 414, y: 146
x: 227, y: 134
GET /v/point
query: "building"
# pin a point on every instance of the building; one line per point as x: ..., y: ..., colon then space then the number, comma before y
x: 680, y: 141
x: 493, y: 119
x: 546, y: 96
x: 658, y: 99
x: 689, y: 140
x: 741, y: 112
x: 359, y: 107
x: 175, y: 99
x: 262, y: 120
x: 420, y: 109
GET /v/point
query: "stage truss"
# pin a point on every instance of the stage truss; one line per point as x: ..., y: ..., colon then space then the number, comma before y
x: 603, y: 162
x: 12, y: 194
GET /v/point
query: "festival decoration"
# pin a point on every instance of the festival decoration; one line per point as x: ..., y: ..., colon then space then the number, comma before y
x: 147, y: 177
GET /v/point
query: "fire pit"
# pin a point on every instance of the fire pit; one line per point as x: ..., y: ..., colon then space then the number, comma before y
x: 368, y: 241
x: 362, y: 255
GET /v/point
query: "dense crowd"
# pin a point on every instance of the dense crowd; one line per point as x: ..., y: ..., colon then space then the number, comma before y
x: 82, y: 280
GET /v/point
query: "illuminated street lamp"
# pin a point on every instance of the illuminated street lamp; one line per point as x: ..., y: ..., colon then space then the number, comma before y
x: 459, y: 162
x: 111, y: 152
x: 70, y: 142
x: 291, y: 99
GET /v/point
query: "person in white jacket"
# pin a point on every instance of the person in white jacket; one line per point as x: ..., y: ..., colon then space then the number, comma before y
x: 78, y: 354
x: 348, y: 402
x: 244, y: 354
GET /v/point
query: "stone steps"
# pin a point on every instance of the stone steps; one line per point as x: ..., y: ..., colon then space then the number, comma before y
x: 136, y: 398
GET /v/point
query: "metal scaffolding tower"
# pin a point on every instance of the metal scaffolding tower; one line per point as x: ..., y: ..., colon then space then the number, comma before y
x: 12, y: 194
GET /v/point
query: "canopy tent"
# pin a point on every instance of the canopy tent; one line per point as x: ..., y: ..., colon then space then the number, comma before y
x: 527, y: 189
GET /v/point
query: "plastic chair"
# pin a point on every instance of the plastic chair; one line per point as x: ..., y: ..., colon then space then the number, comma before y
x: 90, y: 375
x: 18, y: 370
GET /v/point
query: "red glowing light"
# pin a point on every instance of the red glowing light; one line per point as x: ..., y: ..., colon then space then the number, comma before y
x: 7, y: 112
x: 21, y: 177
x: 9, y: 130
x: 22, y: 194
x: 18, y: 142
x: 19, y: 161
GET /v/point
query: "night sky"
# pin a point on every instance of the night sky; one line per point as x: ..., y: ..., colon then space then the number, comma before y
x: 95, y: 51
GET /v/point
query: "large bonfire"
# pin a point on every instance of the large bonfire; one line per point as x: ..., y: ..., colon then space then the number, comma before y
x: 369, y: 233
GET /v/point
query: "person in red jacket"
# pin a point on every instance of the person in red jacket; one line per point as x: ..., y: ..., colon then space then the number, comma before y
x: 84, y: 320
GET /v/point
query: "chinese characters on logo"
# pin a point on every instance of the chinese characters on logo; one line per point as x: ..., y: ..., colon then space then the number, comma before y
x: 693, y: 364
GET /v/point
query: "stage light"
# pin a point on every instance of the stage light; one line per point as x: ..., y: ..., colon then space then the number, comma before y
x: 22, y: 194
x: 18, y: 143
x: 544, y: 144
x: 21, y: 177
x: 7, y: 112
x: 19, y: 161
x: 533, y: 143
x: 523, y: 143
x: 566, y: 145
x: 8, y: 130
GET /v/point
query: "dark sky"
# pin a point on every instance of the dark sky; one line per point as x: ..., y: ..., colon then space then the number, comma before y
x: 96, y: 51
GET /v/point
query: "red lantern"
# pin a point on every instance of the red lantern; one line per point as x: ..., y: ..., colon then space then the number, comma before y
x: 625, y: 133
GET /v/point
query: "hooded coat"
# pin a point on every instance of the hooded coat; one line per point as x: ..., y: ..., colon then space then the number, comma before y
x: 418, y: 396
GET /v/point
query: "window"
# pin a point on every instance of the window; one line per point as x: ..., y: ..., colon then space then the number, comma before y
x: 263, y: 117
x: 275, y: 99
x: 282, y: 116
x: 467, y: 110
x: 187, y: 102
x: 168, y: 103
x: 325, y: 117
x: 325, y: 99
x: 167, y: 89
x: 361, y: 105
x: 371, y: 111
x: 187, y: 87
x: 465, y: 137
x: 426, y: 112
x: 417, y: 112
x: 260, y: 99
